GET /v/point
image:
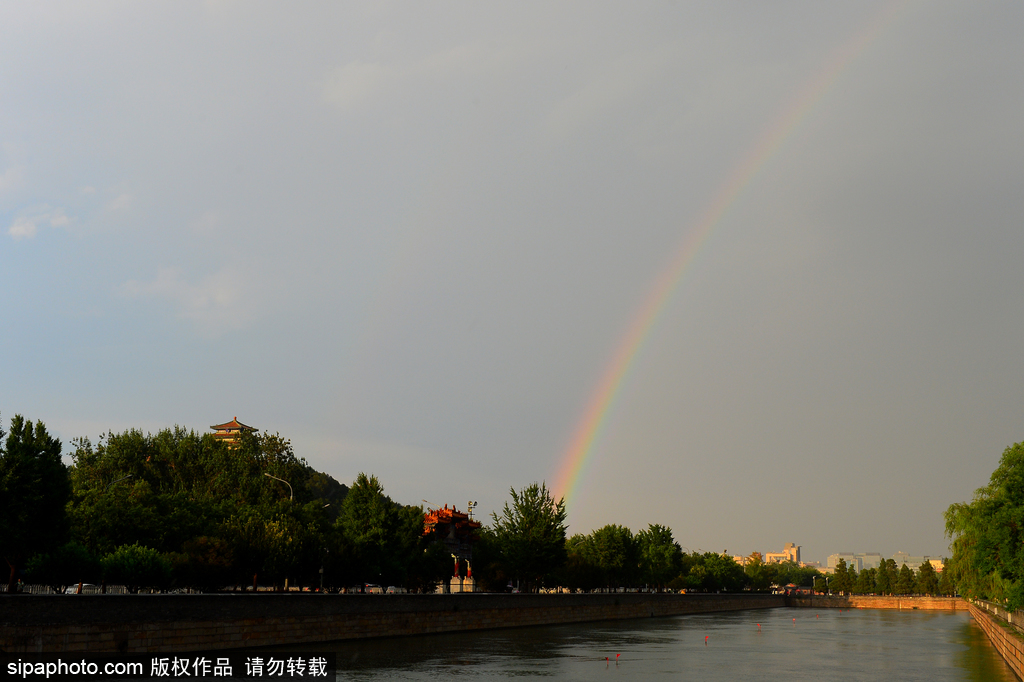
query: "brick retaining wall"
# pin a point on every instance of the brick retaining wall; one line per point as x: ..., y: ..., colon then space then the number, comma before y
x: 1006, y: 640
x: 174, y: 623
x: 863, y: 601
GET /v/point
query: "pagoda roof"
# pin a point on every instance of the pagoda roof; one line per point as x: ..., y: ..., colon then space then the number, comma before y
x: 449, y: 515
x: 233, y: 425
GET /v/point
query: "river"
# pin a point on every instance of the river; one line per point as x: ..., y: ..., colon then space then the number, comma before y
x: 785, y: 643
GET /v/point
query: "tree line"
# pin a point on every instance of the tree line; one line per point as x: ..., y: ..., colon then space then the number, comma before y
x: 177, y: 509
x: 184, y: 510
x: 886, y: 579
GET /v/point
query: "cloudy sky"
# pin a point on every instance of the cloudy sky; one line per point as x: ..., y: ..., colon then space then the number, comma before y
x: 413, y: 238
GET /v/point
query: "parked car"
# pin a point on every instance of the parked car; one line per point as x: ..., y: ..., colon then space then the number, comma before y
x: 87, y: 588
x: 370, y: 588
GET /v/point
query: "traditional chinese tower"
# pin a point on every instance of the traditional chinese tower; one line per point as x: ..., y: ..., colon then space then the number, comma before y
x: 230, y: 431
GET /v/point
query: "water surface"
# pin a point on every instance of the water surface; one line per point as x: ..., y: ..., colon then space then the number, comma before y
x: 793, y: 644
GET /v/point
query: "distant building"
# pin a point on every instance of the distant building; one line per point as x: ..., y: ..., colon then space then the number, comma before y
x: 850, y: 558
x: 230, y: 431
x: 790, y: 552
x: 914, y: 562
x: 870, y: 560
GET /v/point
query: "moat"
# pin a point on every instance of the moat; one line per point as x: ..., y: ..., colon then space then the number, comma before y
x: 781, y: 643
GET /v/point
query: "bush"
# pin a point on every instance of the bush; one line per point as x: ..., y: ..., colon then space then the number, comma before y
x: 135, y: 566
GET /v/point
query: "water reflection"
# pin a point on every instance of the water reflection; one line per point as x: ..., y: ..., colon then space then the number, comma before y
x: 797, y: 644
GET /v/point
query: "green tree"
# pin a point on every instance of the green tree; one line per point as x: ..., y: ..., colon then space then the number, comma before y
x: 137, y: 567
x: 660, y: 555
x: 883, y: 583
x: 530, y: 535
x: 853, y: 574
x: 988, y: 535
x: 385, y: 539
x: 581, y: 569
x: 34, y: 488
x: 713, y: 572
x: 946, y: 586
x: 841, y: 582
x: 758, y: 573
x: 67, y: 565
x: 906, y: 582
x: 927, y: 580
x: 865, y: 582
x: 616, y: 553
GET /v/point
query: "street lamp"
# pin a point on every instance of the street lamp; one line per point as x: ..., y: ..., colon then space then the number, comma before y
x: 123, y: 478
x: 291, y: 493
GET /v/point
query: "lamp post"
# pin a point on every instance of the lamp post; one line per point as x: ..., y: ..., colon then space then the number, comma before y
x: 291, y: 493
x: 123, y: 478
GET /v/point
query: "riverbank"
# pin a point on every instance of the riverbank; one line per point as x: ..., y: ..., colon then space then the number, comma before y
x: 1004, y: 635
x: 863, y: 601
x: 172, y: 623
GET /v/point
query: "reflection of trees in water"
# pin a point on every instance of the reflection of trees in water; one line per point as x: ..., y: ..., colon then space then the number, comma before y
x: 385, y: 657
x: 862, y: 644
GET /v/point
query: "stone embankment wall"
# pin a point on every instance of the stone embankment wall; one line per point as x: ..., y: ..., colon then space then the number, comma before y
x: 177, y: 623
x: 1004, y: 637
x: 863, y: 601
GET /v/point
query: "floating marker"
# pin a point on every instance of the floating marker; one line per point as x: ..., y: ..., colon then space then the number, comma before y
x: 617, y: 656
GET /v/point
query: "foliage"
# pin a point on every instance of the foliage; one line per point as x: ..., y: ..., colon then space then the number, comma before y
x: 711, y: 572
x: 906, y: 581
x: 530, y: 535
x: 609, y: 557
x: 865, y: 583
x: 136, y: 567
x: 34, y: 488
x: 661, y: 557
x: 946, y: 586
x: 67, y: 565
x: 927, y: 580
x: 385, y: 539
x: 884, y: 580
x: 841, y: 582
x: 988, y: 535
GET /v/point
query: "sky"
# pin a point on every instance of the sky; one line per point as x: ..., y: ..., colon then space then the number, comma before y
x: 416, y: 238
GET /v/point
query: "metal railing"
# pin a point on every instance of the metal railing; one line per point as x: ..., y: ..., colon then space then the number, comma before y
x: 1015, y: 619
x: 46, y: 589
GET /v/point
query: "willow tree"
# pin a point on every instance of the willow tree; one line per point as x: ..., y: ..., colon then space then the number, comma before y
x: 988, y: 535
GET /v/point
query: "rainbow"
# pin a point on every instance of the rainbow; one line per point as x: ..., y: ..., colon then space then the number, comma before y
x: 590, y: 428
